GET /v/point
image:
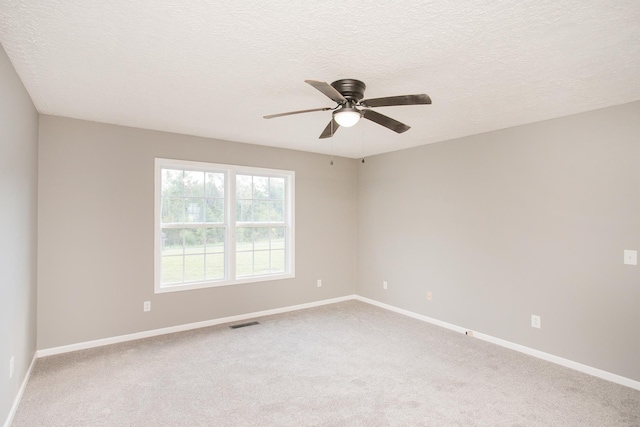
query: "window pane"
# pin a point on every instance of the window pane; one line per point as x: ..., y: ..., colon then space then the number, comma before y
x: 193, y: 184
x: 244, y: 187
x: 277, y: 238
x: 214, y: 210
x: 172, y: 241
x: 171, y: 269
x: 261, y: 211
x: 276, y: 188
x: 261, y: 262
x: 243, y: 211
x: 194, y: 240
x: 172, y: 210
x: 244, y: 239
x: 214, y: 240
x: 277, y: 261
x: 260, y: 187
x: 214, y: 266
x: 276, y: 211
x: 260, y: 238
x: 194, y: 210
x: 193, y: 268
x: 260, y: 250
x: 214, y: 185
x: 172, y: 182
x: 244, y: 264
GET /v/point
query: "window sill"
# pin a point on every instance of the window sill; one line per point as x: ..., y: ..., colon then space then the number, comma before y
x: 204, y: 285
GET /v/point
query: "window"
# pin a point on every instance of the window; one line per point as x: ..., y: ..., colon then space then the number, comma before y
x: 221, y: 225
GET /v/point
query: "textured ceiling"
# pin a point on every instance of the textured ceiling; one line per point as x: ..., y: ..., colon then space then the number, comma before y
x: 215, y: 68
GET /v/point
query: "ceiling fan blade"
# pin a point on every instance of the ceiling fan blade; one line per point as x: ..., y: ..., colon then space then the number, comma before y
x: 328, y: 90
x: 296, y: 112
x: 397, y: 100
x: 385, y: 121
x: 331, y: 128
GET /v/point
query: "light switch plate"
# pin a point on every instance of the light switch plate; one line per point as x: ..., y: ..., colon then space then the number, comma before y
x: 535, y: 321
x: 630, y: 257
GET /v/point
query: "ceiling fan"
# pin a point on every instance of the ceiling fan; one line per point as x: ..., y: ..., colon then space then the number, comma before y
x: 348, y: 93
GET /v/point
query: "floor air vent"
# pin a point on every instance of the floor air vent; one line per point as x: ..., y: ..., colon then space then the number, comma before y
x: 243, y: 325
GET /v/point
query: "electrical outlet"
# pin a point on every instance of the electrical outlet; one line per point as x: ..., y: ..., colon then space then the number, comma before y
x: 319, y: 283
x: 147, y: 306
x: 384, y: 285
x: 429, y: 296
x: 535, y: 321
x: 11, y: 366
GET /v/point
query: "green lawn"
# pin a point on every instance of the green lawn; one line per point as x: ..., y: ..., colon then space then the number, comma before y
x: 200, y: 266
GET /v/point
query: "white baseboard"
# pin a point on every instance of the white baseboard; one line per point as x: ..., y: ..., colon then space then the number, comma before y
x: 513, y: 346
x: 23, y: 386
x: 412, y: 314
x: 618, y: 379
x: 169, y: 330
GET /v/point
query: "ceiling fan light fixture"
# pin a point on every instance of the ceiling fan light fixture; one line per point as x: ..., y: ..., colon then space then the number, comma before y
x: 347, y: 116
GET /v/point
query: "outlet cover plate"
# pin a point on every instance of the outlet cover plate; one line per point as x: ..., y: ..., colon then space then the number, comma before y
x: 535, y: 321
x: 630, y: 257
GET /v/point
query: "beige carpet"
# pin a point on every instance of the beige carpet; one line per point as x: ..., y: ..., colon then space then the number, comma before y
x: 346, y: 364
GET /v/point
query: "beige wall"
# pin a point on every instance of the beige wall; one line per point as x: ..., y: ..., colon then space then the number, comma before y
x: 500, y: 226
x: 96, y: 231
x: 18, y: 212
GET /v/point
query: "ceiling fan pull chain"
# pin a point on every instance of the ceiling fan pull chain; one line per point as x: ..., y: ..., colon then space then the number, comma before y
x: 331, y: 123
x: 362, y: 142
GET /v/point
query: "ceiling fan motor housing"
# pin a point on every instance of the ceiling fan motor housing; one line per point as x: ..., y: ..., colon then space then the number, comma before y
x: 351, y: 89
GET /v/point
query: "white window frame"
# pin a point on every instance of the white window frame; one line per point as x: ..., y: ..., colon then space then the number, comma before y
x: 230, y: 172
